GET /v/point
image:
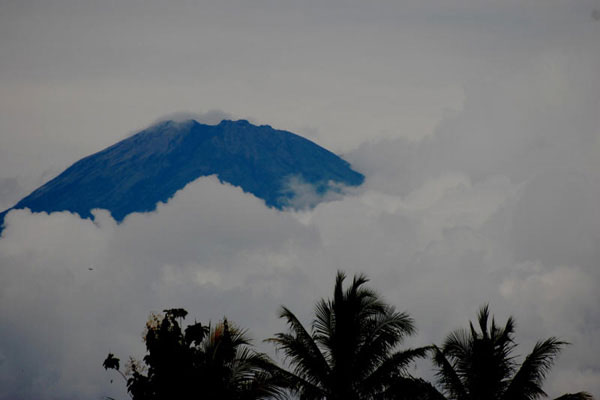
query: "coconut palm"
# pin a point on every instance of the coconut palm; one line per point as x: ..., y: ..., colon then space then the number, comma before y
x: 231, y: 369
x: 476, y: 365
x: 351, y: 351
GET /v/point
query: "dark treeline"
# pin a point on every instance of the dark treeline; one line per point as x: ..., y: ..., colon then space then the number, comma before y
x: 352, y: 351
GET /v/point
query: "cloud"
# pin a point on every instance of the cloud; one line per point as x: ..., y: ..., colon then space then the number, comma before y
x: 298, y: 194
x: 211, y: 117
x: 557, y: 219
x: 208, y: 250
x: 561, y: 300
x: 476, y: 128
x: 439, y: 252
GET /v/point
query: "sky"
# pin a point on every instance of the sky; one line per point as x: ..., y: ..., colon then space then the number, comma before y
x: 476, y: 124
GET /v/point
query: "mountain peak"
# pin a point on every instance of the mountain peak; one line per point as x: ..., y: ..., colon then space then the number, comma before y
x: 148, y: 167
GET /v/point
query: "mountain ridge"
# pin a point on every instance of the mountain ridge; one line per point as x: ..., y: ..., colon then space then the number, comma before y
x: 136, y: 173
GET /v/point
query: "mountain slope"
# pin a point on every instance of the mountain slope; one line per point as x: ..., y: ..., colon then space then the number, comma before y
x: 150, y: 166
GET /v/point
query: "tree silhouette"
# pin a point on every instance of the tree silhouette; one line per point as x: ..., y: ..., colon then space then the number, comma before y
x: 198, y: 362
x: 232, y: 369
x: 351, y: 352
x: 476, y: 365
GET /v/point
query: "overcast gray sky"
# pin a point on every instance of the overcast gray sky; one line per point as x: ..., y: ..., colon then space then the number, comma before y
x: 476, y: 123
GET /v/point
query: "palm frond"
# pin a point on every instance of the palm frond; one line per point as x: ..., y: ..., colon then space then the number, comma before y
x: 296, y: 384
x: 576, y: 396
x: 527, y: 382
x: 324, y: 324
x: 482, y: 318
x: 391, y: 369
x: 448, y: 377
x: 458, y: 345
x: 353, y: 337
x: 301, y: 350
x: 381, y: 335
x: 411, y: 389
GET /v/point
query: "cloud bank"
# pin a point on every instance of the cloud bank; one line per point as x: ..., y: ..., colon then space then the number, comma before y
x: 476, y: 125
x: 483, y: 210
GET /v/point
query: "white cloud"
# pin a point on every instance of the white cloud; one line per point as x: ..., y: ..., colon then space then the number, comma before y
x: 477, y: 128
x: 211, y: 117
x: 86, y: 287
x: 560, y: 301
x: 298, y: 194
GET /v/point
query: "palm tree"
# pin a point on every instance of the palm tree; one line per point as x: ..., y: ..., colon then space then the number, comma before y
x: 350, y: 352
x: 476, y: 365
x: 231, y: 369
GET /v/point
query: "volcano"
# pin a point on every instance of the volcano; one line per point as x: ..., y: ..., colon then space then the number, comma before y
x: 136, y: 173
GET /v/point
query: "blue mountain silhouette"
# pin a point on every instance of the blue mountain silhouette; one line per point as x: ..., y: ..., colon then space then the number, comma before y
x: 135, y: 174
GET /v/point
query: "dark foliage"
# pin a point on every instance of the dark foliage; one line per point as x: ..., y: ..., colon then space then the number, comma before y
x: 474, y: 365
x: 351, y: 351
x: 197, y: 363
x: 111, y: 362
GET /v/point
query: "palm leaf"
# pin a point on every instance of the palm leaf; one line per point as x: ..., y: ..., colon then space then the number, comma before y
x: 382, y: 334
x: 448, y: 377
x: 301, y: 350
x: 527, y: 382
x: 576, y: 396
x: 350, y: 352
x: 391, y: 369
x: 411, y: 389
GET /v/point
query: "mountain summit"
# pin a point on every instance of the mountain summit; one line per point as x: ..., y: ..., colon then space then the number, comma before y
x: 135, y: 174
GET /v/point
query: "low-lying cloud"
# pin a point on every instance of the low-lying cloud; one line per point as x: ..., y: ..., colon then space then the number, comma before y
x: 498, y: 203
x: 484, y: 210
